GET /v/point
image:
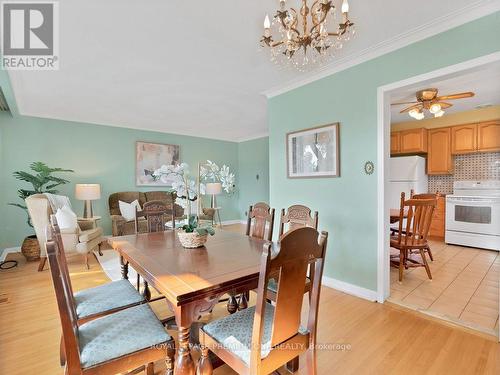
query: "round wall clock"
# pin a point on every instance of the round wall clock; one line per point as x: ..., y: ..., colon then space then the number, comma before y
x: 369, y: 167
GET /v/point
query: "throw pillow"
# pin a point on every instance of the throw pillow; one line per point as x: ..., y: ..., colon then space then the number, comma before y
x: 128, y: 209
x: 66, y: 218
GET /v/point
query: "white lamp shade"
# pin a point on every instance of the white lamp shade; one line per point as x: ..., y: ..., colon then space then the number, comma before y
x: 87, y: 192
x: 213, y: 188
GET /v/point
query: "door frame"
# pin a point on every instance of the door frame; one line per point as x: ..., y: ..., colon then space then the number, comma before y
x: 383, y: 154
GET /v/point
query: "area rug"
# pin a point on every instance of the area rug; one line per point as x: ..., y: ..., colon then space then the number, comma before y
x: 110, y: 263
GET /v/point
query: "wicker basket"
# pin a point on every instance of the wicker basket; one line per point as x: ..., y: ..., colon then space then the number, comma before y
x: 30, y: 248
x: 191, y: 240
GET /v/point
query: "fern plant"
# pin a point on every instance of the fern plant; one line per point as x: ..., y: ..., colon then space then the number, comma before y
x: 42, y: 181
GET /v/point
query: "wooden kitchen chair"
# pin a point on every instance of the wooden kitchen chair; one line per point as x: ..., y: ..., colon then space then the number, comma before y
x: 297, y: 216
x: 412, y: 234
x: 261, y: 339
x: 260, y: 225
x: 425, y: 196
x: 114, y: 343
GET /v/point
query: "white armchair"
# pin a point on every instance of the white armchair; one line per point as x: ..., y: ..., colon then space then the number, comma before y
x: 82, y: 239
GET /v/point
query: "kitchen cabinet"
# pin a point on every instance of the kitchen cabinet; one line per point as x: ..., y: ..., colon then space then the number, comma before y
x: 412, y: 141
x: 437, y: 228
x: 439, y: 160
x: 488, y: 136
x: 464, y: 139
x: 395, y: 142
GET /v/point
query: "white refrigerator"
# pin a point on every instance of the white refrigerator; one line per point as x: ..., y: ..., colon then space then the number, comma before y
x: 406, y: 173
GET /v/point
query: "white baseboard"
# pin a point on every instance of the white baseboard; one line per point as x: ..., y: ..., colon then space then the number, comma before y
x: 8, y: 251
x: 357, y: 291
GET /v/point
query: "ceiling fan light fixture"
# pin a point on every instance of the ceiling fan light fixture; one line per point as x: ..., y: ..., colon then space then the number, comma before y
x: 417, y: 114
x: 435, y: 108
x: 440, y: 113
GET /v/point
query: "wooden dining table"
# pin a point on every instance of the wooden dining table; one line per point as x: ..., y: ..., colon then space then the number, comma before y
x: 192, y: 280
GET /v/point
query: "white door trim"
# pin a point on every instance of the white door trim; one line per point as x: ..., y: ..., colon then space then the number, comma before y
x: 383, y: 154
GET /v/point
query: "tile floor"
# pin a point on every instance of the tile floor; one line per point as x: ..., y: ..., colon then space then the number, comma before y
x: 464, y: 289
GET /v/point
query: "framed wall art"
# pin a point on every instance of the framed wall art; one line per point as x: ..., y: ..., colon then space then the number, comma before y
x: 151, y: 156
x: 313, y: 152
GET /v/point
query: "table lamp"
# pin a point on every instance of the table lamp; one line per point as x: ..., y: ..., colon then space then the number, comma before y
x: 87, y: 193
x: 213, y: 189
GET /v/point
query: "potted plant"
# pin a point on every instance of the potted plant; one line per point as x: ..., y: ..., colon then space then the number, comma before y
x: 42, y: 181
x: 192, y: 236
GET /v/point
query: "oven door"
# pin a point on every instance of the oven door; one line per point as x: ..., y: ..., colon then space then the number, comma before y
x: 479, y: 215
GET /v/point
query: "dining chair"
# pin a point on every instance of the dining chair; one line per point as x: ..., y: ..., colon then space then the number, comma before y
x: 262, y: 338
x: 155, y: 214
x: 98, y: 301
x: 128, y: 339
x: 412, y: 233
x: 260, y: 224
x: 297, y: 216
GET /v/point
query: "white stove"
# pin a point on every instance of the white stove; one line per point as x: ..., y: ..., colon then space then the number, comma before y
x: 473, y: 214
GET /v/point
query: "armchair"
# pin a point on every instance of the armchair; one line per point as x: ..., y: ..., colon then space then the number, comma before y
x: 81, y: 240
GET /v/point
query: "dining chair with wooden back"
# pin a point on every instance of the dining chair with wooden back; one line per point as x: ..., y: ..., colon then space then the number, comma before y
x: 93, y: 302
x: 260, y: 221
x: 425, y: 196
x: 260, y: 224
x: 263, y: 338
x: 297, y: 216
x: 118, y: 342
x: 412, y: 234
x: 155, y: 214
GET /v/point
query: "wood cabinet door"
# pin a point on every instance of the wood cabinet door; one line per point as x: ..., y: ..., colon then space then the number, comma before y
x: 414, y: 141
x: 439, y: 160
x: 437, y: 229
x: 464, y: 139
x: 395, y: 142
x: 488, y: 136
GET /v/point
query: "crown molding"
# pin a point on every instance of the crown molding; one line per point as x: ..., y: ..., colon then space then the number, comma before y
x: 424, y: 31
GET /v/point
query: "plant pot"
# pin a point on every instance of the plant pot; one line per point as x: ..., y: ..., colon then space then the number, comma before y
x: 30, y: 248
x: 191, y: 240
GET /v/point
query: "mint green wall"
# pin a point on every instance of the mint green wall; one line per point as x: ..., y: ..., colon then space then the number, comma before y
x: 98, y: 154
x: 348, y: 205
x: 253, y: 160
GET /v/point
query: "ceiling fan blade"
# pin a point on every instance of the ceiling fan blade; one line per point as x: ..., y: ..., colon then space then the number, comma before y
x: 444, y: 105
x: 401, y: 103
x: 408, y: 109
x: 460, y: 95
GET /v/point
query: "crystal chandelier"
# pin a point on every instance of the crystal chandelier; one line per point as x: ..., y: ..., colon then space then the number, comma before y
x: 310, y: 35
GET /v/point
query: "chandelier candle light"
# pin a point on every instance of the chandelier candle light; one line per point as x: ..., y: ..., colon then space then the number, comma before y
x: 308, y: 35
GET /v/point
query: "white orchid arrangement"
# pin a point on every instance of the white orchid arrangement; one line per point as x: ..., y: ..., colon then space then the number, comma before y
x: 182, y: 183
x: 213, y: 173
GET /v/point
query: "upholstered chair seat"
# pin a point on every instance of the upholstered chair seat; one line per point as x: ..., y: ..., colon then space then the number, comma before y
x: 119, y: 334
x: 107, y: 297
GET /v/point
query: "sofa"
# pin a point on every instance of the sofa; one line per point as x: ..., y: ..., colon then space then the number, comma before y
x: 122, y: 227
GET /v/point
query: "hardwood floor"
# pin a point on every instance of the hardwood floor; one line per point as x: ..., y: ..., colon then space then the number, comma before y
x: 358, y: 337
x: 464, y: 288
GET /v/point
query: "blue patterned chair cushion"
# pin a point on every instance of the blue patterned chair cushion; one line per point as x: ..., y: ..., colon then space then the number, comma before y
x: 119, y: 334
x: 234, y: 332
x: 106, y: 297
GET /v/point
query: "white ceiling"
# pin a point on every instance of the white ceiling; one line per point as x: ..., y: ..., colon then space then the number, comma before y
x: 485, y: 84
x: 187, y: 67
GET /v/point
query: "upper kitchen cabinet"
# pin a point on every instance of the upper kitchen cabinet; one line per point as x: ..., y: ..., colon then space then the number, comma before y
x: 413, y: 141
x: 464, y: 139
x: 439, y: 160
x: 395, y: 142
x: 488, y: 136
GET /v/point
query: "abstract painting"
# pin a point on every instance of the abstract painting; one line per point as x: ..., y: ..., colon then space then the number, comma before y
x: 151, y: 156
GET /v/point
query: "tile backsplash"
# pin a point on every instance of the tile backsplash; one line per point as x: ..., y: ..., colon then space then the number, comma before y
x: 483, y: 166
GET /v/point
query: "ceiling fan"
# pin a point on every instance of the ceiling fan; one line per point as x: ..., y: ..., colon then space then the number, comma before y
x: 428, y: 99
